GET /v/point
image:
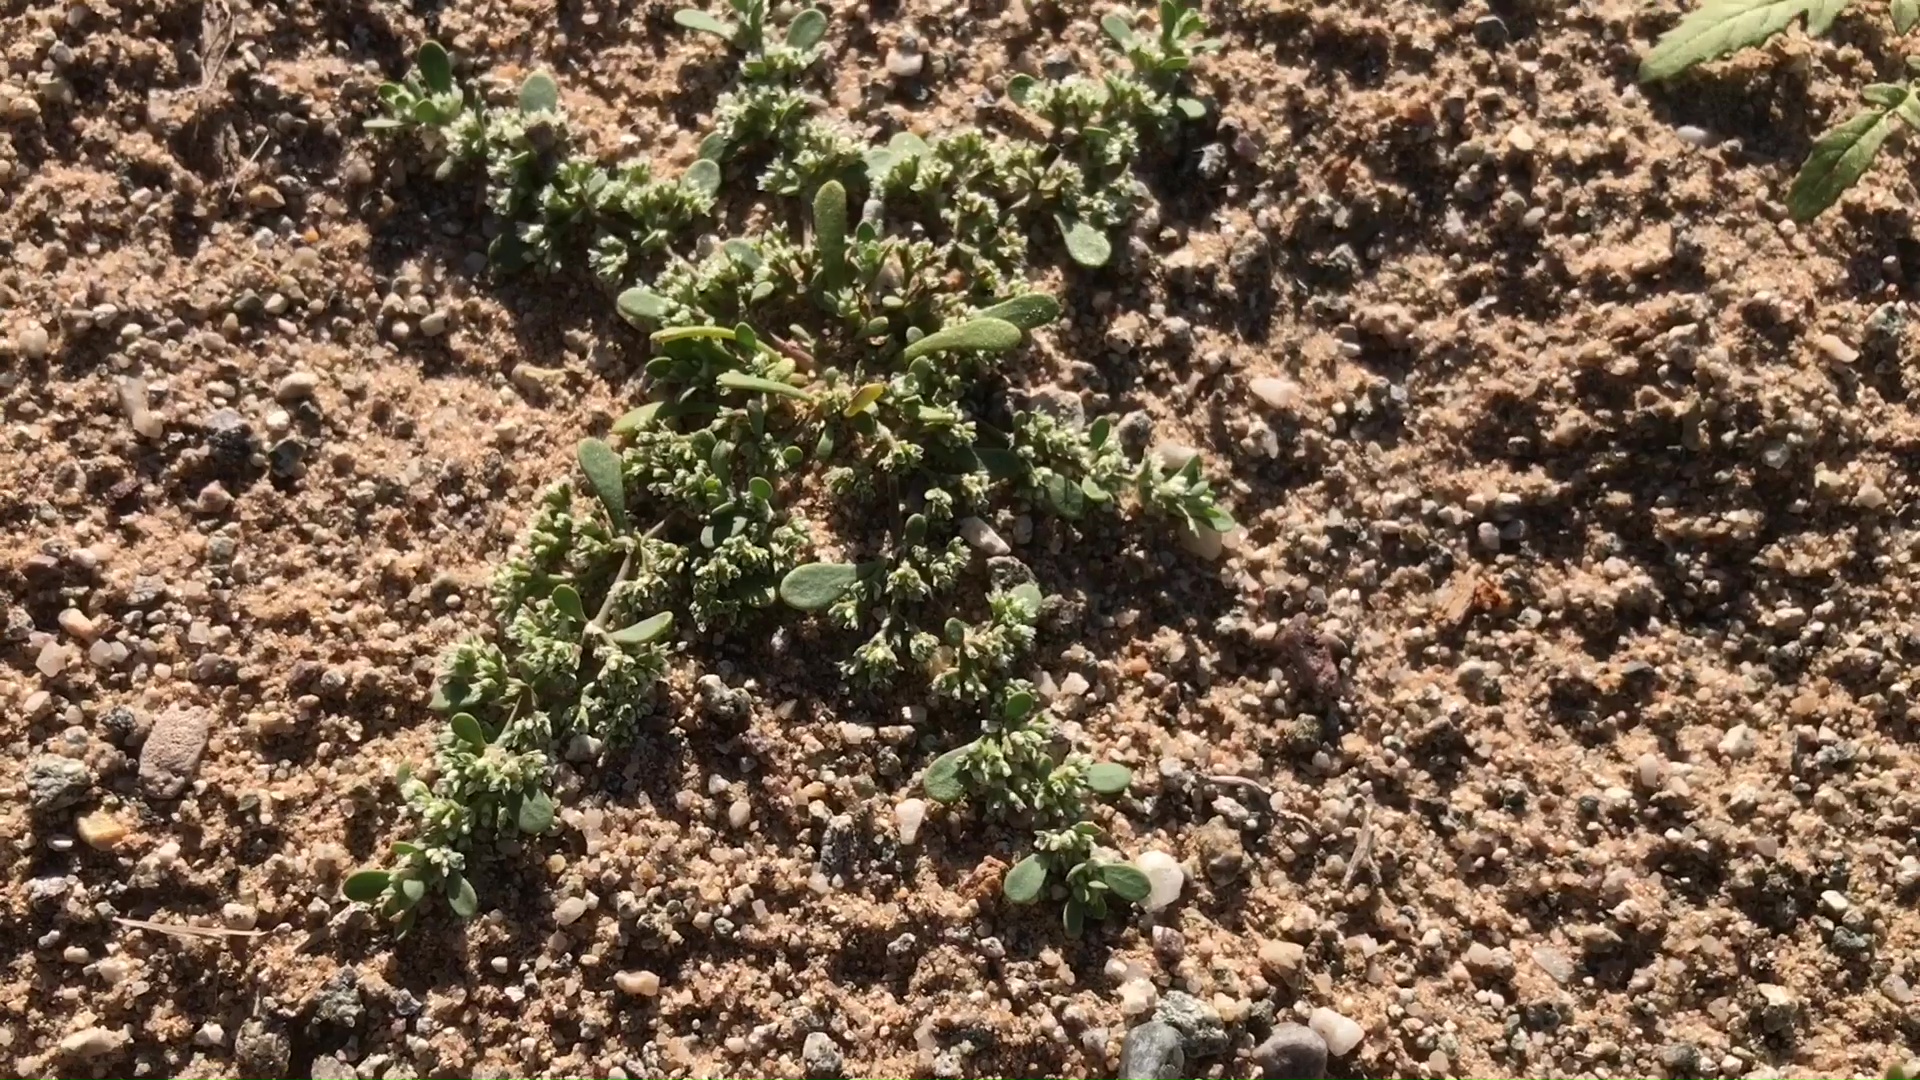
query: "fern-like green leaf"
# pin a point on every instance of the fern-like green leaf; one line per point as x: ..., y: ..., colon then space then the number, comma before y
x: 1838, y: 160
x: 1723, y: 26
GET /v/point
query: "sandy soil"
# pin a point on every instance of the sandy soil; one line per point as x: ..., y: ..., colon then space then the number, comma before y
x: 1560, y: 677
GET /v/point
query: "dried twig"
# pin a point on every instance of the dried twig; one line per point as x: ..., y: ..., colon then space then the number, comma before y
x: 198, y: 933
x: 1362, y: 852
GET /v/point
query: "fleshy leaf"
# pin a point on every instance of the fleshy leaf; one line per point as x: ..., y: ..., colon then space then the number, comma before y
x: 974, y: 335
x: 942, y: 780
x: 830, y: 229
x: 1838, y: 159
x: 637, y: 419
x: 366, y: 886
x: 807, y: 29
x: 1905, y: 14
x: 1127, y: 882
x: 1118, y: 28
x: 536, y: 813
x: 539, y: 94
x: 645, y: 632
x: 864, y: 399
x: 602, y: 467
x: 695, y: 19
x: 638, y: 305
x: 1088, y: 245
x: 567, y: 599
x: 436, y: 67
x: 1108, y: 778
x: 1025, y: 880
x: 816, y: 586
x: 1018, y: 706
x: 1032, y: 310
x: 703, y: 176
x: 1020, y: 87
x: 460, y: 895
x: 735, y: 380
x: 468, y: 730
x: 1719, y: 27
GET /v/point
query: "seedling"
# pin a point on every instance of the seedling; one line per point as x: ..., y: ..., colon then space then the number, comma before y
x: 1838, y: 158
x: 853, y: 359
x: 1066, y: 858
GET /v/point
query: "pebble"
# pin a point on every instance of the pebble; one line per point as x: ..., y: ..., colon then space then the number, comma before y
x: 142, y: 419
x: 100, y: 830
x: 1692, y: 135
x: 1277, y: 393
x: 210, y: 1035
x: 54, y: 783
x: 32, y: 341
x: 92, y: 1042
x: 236, y: 916
x: 981, y: 537
x: 907, y: 817
x: 170, y: 758
x: 1202, y: 1032
x: 1164, y: 878
x: 905, y: 64
x: 53, y: 659
x: 1137, y: 996
x: 434, y: 323
x: 1340, y: 1033
x: 296, y: 386
x: 332, y: 1067
x: 821, y: 1057
x: 637, y: 983
x: 1152, y: 1051
x: 1292, y: 1052
x: 1835, y: 349
x: 1739, y: 742
x: 1283, y: 958
x: 265, y: 197
x: 569, y: 911
x: 75, y: 622
x: 1558, y: 966
x: 739, y: 813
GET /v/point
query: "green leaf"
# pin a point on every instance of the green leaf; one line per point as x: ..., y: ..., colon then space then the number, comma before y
x: 536, y: 813
x: 974, y: 335
x: 366, y: 886
x: 1905, y: 14
x: 460, y: 895
x: 691, y: 333
x: 567, y: 599
x: 412, y: 890
x: 602, y: 467
x: 1719, y: 27
x: 816, y: 586
x: 1025, y: 880
x: 1029, y: 598
x: 737, y: 380
x: 1020, y: 87
x: 694, y: 19
x: 539, y: 94
x: 744, y: 255
x: 1030, y: 311
x: 1126, y: 881
x: 468, y: 730
x: 1098, y: 431
x: 760, y: 488
x: 645, y: 632
x: 807, y: 29
x: 400, y: 849
x: 1075, y: 918
x: 1836, y: 162
x: 1088, y: 245
x: 637, y: 419
x: 638, y: 305
x: 830, y: 229
x: 436, y: 67
x: 1108, y: 778
x: 1191, y: 108
x: 703, y: 176
x: 1018, y: 706
x: 942, y: 781
x: 1118, y: 28
x: 864, y: 398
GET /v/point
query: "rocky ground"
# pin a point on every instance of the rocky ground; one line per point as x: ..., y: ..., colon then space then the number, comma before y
x: 1551, y: 715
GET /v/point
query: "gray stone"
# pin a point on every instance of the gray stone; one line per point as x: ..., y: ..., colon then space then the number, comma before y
x: 1292, y: 1052
x: 1201, y: 1032
x: 338, y: 1002
x: 170, y: 759
x: 1152, y: 1051
x: 261, y: 1050
x: 822, y: 1058
x: 55, y: 783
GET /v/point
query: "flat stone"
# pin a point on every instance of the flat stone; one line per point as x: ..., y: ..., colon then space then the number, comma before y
x: 170, y: 759
x: 55, y: 783
x: 821, y: 1057
x: 329, y: 1067
x: 1292, y: 1052
x: 1152, y: 1051
x: 1202, y: 1034
x: 1341, y: 1034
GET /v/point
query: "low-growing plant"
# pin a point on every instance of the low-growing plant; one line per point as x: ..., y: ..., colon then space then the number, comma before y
x: 878, y: 399
x: 1840, y: 157
x: 1066, y: 858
